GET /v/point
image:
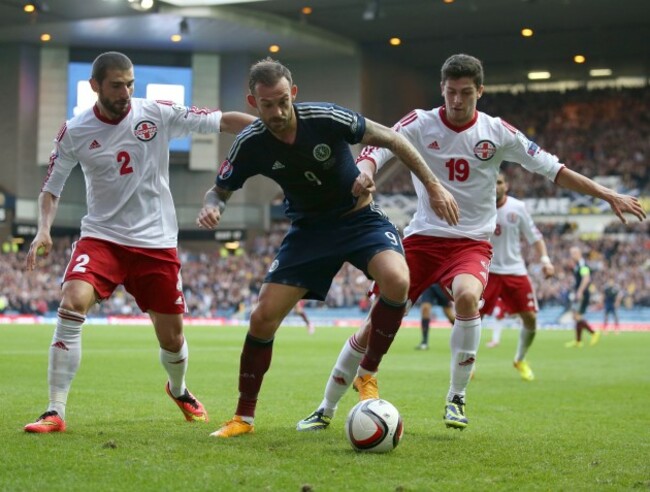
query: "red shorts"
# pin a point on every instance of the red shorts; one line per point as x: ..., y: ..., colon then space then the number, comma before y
x: 514, y: 293
x: 499, y: 311
x: 439, y: 260
x: 151, y: 276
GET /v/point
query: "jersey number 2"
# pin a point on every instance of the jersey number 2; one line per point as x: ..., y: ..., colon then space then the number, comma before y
x: 124, y: 159
x: 82, y: 261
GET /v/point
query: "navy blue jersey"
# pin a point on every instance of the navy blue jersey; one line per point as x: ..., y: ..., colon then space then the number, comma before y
x: 579, y: 271
x: 610, y: 296
x: 316, y: 172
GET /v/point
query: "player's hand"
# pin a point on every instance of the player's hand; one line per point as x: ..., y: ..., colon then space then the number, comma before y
x: 41, y: 246
x: 208, y: 217
x: 548, y: 269
x: 364, y: 185
x: 626, y: 203
x: 443, y: 204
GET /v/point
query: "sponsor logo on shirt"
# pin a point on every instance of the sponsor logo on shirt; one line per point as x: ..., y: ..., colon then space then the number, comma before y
x: 274, y: 266
x: 484, y: 150
x: 322, y: 152
x: 225, y: 170
x: 434, y: 145
x: 94, y: 145
x: 277, y: 165
x: 145, y: 130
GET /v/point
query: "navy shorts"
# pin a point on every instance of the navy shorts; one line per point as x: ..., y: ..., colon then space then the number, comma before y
x: 582, y: 305
x: 435, y: 295
x: 312, y: 254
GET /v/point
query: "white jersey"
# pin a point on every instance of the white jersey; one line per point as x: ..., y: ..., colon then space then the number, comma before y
x: 513, y: 221
x: 466, y: 160
x: 126, y: 168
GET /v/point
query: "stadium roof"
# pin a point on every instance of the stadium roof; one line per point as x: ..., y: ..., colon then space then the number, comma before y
x: 610, y: 34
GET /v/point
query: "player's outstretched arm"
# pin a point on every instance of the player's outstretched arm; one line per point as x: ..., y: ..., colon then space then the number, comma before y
x: 48, y: 204
x: 442, y: 202
x: 234, y: 121
x: 619, y: 203
x: 214, y: 203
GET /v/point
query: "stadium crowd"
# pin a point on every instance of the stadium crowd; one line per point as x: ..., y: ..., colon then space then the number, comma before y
x: 219, y: 284
x: 598, y: 133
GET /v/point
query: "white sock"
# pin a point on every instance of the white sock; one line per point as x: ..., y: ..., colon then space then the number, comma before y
x: 342, y: 375
x: 526, y: 338
x: 497, y: 328
x: 464, y: 342
x: 176, y: 366
x: 64, y: 358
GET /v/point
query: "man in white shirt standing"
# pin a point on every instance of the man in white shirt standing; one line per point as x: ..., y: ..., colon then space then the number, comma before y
x: 129, y: 234
x: 509, y: 282
x: 464, y: 148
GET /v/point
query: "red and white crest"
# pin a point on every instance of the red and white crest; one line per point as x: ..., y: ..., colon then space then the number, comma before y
x: 145, y: 130
x: 225, y: 170
x: 485, y: 150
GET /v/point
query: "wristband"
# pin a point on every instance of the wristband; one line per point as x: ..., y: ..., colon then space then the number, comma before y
x: 545, y: 260
x: 221, y: 205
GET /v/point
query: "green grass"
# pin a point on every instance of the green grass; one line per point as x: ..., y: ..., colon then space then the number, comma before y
x: 584, y: 424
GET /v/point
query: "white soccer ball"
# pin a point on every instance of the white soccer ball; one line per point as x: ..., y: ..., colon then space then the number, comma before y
x: 374, y: 425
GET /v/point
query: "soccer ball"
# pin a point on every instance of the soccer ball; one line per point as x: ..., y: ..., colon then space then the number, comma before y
x: 374, y: 425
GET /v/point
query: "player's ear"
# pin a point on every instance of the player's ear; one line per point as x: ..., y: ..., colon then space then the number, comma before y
x: 294, y: 92
x: 251, y: 100
x: 94, y: 85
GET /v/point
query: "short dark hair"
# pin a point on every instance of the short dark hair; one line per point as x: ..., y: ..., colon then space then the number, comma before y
x: 267, y: 72
x: 461, y: 65
x: 111, y: 60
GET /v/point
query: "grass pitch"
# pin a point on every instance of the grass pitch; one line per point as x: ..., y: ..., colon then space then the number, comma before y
x: 583, y: 424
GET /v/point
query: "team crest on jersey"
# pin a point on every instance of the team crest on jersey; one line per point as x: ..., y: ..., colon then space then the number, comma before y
x: 485, y: 150
x: 145, y: 130
x: 225, y: 170
x: 322, y: 152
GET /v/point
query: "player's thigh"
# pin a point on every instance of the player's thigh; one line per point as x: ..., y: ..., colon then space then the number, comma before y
x: 274, y: 303
x: 93, y: 262
x: 389, y: 270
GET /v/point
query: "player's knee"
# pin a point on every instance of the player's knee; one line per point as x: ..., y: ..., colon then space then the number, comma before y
x: 264, y: 322
x: 73, y: 305
x: 395, y: 286
x: 172, y: 342
x: 466, y: 302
